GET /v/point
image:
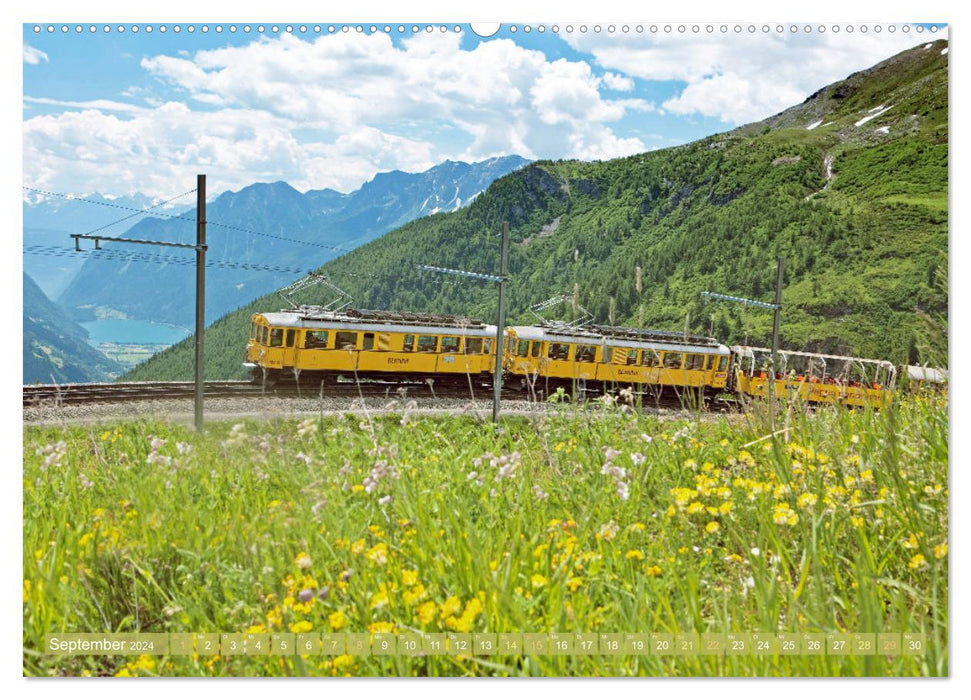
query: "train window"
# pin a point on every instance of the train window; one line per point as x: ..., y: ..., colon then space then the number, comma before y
x: 276, y: 337
x: 694, y: 362
x: 473, y: 346
x: 409, y: 343
x: 672, y: 360
x: 718, y: 363
x: 451, y: 343
x: 368, y: 343
x: 487, y: 349
x: 586, y: 353
x: 559, y: 351
x: 651, y: 359
x: 345, y: 339
x: 632, y: 356
x: 291, y: 336
x: 534, y: 348
x: 522, y: 349
x: 252, y: 330
x: 315, y: 339
x: 427, y: 343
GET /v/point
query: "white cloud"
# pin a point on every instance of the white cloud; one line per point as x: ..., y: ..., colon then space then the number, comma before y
x: 329, y: 112
x: 743, y: 77
x: 617, y: 82
x: 34, y: 56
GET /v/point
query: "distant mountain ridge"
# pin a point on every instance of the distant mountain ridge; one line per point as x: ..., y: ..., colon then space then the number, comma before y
x: 262, y: 225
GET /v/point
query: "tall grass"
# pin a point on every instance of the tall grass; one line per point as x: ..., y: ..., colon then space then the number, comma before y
x: 591, y: 519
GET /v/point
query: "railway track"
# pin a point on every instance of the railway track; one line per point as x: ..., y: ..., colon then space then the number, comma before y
x: 113, y: 392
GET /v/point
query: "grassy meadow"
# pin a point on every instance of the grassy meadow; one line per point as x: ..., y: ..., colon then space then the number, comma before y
x: 584, y: 520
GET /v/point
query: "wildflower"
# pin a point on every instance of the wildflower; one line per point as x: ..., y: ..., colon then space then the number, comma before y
x: 574, y: 583
x: 183, y: 448
x: 301, y: 627
x: 303, y: 561
x: 346, y: 575
x: 343, y: 661
x: 637, y: 459
x: 538, y: 580
x: 695, y: 507
x: 426, y: 612
x: 940, y: 551
x: 608, y: 531
x: 911, y: 542
x: 305, y: 595
x: 337, y: 620
x: 378, y: 554
x: 807, y: 500
x: 783, y: 514
x: 756, y: 551
x: 635, y: 554
x: 653, y: 571
x: 646, y: 438
x: 712, y: 527
x: 384, y: 500
x: 450, y: 607
x: 917, y: 562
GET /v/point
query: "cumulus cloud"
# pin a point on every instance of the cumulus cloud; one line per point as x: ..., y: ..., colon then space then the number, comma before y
x: 743, y: 77
x: 617, y: 82
x: 34, y: 56
x: 332, y: 112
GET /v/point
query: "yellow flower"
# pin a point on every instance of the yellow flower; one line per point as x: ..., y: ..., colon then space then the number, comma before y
x: 574, y: 583
x: 725, y: 508
x: 451, y: 607
x: 302, y: 561
x: 357, y: 488
x: 343, y: 661
x: 337, y: 620
x: 911, y: 542
x: 653, y: 571
x: 426, y: 612
x: 538, y: 580
x: 379, y: 600
x: 27, y: 586
x: 378, y: 554
x: 695, y: 507
x: 381, y: 628
x: 256, y: 629
x: 940, y: 551
x: 807, y: 500
x: 917, y: 562
x: 301, y: 627
x: 414, y: 595
x: 123, y: 673
x: 635, y: 554
x: 712, y: 527
x: 274, y: 618
x: 357, y: 547
x: 857, y: 521
x: 409, y: 578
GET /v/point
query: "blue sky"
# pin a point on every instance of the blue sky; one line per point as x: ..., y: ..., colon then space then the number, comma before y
x: 124, y: 112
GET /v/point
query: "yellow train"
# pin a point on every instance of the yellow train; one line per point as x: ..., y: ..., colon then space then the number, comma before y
x: 558, y: 354
x: 322, y: 345
x: 325, y: 345
x: 815, y: 377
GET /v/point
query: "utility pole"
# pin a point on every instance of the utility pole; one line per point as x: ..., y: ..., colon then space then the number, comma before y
x: 200, y: 296
x: 200, y: 248
x: 780, y: 263
x: 500, y: 324
x: 777, y: 308
x: 500, y: 321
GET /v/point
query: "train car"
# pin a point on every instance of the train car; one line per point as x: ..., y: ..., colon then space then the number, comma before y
x: 814, y: 377
x: 325, y: 345
x: 923, y: 379
x: 604, y: 356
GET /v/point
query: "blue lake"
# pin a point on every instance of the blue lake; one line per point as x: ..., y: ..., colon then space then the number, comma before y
x: 120, y: 330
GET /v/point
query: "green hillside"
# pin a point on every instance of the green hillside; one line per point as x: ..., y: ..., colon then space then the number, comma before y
x: 857, y: 205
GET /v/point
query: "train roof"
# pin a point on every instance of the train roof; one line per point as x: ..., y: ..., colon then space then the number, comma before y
x: 618, y: 336
x: 367, y: 319
x: 750, y: 351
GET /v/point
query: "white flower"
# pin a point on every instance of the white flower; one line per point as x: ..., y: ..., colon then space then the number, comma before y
x: 646, y: 438
x: 637, y: 458
x: 183, y: 448
x: 539, y: 493
x: 756, y: 551
x: 384, y: 500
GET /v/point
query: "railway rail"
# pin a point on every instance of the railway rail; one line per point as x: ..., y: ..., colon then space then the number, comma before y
x: 114, y: 392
